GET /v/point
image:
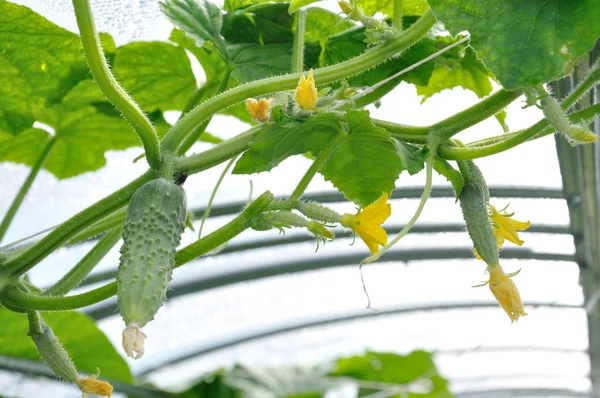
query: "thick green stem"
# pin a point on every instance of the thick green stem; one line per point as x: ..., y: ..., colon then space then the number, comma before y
x: 195, y: 135
x: 110, y: 87
x: 325, y: 75
x: 78, y: 273
x: 488, y: 107
x: 111, y: 221
x: 16, y: 298
x: 415, y: 217
x: 397, y: 17
x: 14, y: 206
x: 316, y: 166
x: 503, y: 143
x: 19, y: 265
x: 298, y: 49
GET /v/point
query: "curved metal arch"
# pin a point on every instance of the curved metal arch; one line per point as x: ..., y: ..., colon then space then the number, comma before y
x: 108, y: 307
x: 303, y: 238
x: 399, y: 193
x: 525, y: 392
x: 325, y: 321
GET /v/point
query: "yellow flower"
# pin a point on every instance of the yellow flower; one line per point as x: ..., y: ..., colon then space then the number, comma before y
x: 306, y: 92
x: 506, y: 293
x: 505, y: 228
x: 91, y: 385
x: 367, y: 223
x: 260, y: 110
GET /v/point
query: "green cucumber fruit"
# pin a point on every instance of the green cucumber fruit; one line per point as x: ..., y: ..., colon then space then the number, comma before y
x: 474, y: 202
x: 152, y: 231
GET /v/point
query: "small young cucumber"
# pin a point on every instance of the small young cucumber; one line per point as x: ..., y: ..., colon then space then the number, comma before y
x: 152, y: 231
x: 474, y: 200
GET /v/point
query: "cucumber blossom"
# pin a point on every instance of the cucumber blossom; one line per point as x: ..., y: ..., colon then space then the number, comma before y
x: 474, y: 202
x: 152, y: 231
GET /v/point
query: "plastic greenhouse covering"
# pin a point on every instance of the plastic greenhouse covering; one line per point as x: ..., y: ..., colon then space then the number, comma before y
x: 268, y: 301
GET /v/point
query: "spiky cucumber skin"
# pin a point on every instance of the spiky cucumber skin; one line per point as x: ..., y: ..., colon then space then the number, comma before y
x: 474, y: 200
x: 152, y: 231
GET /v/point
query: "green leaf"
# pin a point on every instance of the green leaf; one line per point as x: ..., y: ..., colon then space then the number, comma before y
x: 367, y: 164
x: 524, y: 42
x: 266, y: 23
x: 394, y: 369
x: 201, y: 19
x: 47, y: 58
x: 212, y: 63
x: 253, y: 61
x: 452, y: 175
x: 212, y: 386
x: 295, y: 5
x: 157, y: 75
x: 278, y: 141
x: 459, y: 67
x: 83, y: 135
x: 386, y: 7
x: 320, y: 24
x: 412, y: 158
x: 232, y: 5
x: 88, y: 346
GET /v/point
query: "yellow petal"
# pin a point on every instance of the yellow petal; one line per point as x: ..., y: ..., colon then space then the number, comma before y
x: 372, y: 233
x: 91, y: 385
x: 506, y: 293
x: 306, y: 93
x: 260, y: 110
x: 377, y: 212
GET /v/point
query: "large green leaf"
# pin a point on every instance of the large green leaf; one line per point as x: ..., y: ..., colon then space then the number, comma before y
x: 232, y: 5
x: 395, y: 369
x: 367, y: 164
x: 212, y: 63
x: 277, y: 142
x: 264, y: 23
x: 253, y: 61
x: 524, y: 42
x: 157, y: 75
x: 201, y: 19
x: 82, y: 137
x: 320, y: 24
x: 458, y: 67
x: 88, y: 346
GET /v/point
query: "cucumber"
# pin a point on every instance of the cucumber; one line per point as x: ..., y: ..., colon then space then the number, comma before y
x: 152, y: 231
x: 474, y: 202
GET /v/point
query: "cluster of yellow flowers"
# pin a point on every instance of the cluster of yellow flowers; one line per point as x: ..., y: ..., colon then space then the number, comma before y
x: 367, y: 222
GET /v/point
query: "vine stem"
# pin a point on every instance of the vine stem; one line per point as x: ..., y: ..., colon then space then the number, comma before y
x: 16, y: 298
x: 316, y: 166
x: 397, y: 16
x: 197, y: 133
x: 109, y: 85
x: 213, y: 194
x: 538, y: 130
x: 78, y: 273
x: 324, y: 75
x: 415, y: 217
x: 298, y: 49
x: 14, y: 206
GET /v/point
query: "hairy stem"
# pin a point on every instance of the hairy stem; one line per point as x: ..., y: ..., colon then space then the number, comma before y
x: 397, y: 16
x: 195, y: 135
x: 298, y: 49
x: 74, y: 277
x: 16, y: 298
x: 110, y: 87
x: 14, y: 206
x: 287, y: 82
x: 506, y: 142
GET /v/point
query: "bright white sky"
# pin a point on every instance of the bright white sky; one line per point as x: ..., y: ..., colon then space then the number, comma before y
x: 198, y: 320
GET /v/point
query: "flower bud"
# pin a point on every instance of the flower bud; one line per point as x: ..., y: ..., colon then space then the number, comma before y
x: 319, y: 230
x: 506, y: 293
x: 260, y: 110
x: 306, y: 93
x: 91, y: 385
